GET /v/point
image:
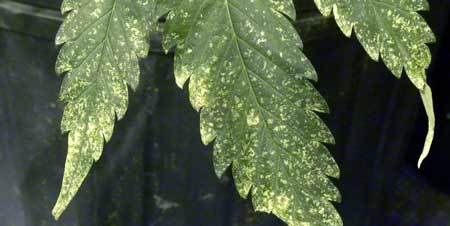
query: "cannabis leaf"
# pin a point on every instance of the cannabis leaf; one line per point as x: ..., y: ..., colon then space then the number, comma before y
x: 249, y: 80
x: 395, y: 31
x: 103, y: 40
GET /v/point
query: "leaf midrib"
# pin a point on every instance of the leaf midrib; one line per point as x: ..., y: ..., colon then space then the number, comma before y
x: 244, y: 66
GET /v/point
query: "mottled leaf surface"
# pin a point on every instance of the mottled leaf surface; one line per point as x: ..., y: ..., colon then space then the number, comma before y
x: 250, y: 81
x: 394, y: 30
x: 103, y: 41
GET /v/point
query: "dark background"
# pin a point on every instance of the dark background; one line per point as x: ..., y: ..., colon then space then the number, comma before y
x: 155, y: 171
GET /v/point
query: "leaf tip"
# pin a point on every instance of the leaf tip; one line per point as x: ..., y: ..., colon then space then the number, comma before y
x: 60, y: 206
x: 427, y: 99
x: 56, y: 213
x: 419, y: 163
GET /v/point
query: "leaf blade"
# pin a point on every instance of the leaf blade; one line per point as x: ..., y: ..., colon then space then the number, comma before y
x: 250, y: 84
x: 102, y: 43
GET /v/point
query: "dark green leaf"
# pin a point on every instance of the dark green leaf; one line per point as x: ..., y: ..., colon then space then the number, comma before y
x: 249, y: 80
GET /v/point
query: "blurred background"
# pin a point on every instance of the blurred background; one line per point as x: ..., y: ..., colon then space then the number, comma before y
x: 155, y: 171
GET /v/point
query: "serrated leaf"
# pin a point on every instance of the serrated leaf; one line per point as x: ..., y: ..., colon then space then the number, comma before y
x: 394, y: 30
x: 103, y: 40
x: 249, y: 80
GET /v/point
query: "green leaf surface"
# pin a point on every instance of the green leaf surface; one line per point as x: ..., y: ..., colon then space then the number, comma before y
x: 250, y: 82
x: 103, y: 41
x: 394, y: 31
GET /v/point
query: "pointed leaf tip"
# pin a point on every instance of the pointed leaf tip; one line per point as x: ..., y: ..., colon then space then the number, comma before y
x: 427, y: 99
